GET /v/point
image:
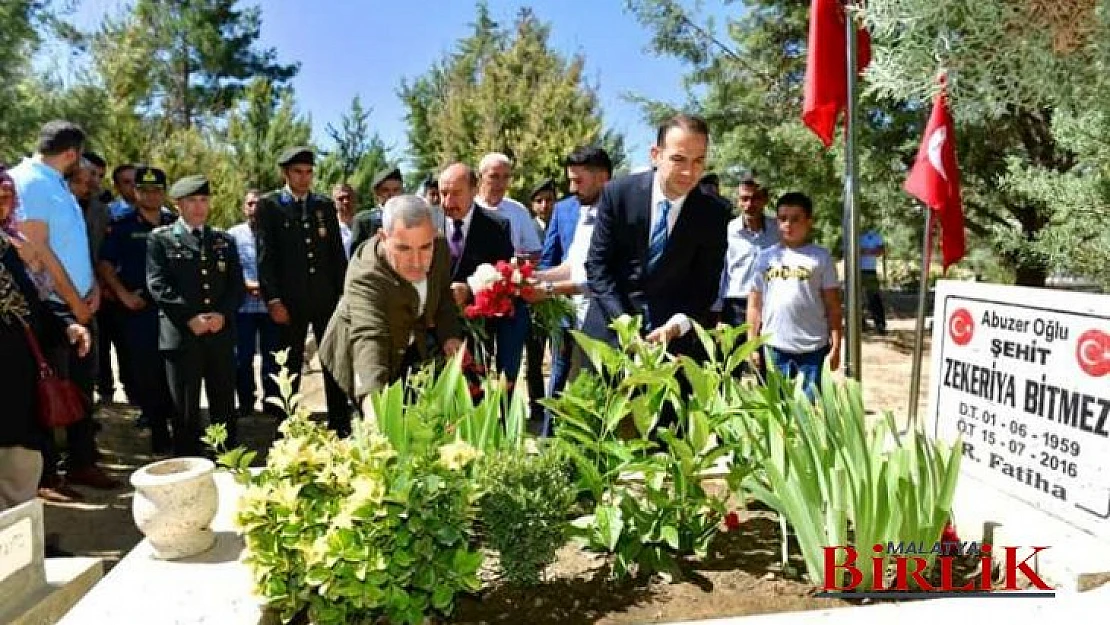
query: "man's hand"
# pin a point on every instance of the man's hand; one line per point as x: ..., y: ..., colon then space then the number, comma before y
x: 132, y: 301
x: 278, y: 312
x: 198, y: 325
x: 452, y: 347
x: 215, y: 322
x: 461, y: 292
x: 757, y: 359
x: 665, y: 334
x: 537, y: 294
x: 253, y: 288
x: 834, y: 358
x: 79, y: 337
x: 93, y: 300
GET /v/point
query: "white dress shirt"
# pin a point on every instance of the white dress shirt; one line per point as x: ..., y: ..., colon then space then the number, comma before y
x: 657, y: 197
x: 526, y: 240
x: 576, y: 258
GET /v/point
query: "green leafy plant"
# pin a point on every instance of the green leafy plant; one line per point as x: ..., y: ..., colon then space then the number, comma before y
x: 352, y: 530
x: 527, y: 499
x: 837, y: 479
x: 645, y: 482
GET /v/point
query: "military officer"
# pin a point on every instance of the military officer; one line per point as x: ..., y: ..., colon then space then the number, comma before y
x: 301, y: 264
x: 194, y: 276
x: 387, y: 184
x: 122, y: 269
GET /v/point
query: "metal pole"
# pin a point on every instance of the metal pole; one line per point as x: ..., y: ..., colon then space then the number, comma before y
x: 919, y: 329
x: 854, y: 361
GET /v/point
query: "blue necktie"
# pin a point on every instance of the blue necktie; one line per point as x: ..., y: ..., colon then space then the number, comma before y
x: 658, y: 241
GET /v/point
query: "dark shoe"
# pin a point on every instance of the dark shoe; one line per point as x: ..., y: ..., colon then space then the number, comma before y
x: 93, y: 477
x: 55, y: 490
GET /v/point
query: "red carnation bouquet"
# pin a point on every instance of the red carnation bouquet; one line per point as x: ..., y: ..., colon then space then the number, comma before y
x: 496, y: 287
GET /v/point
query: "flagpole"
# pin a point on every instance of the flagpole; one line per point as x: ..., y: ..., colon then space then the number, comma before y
x: 854, y: 361
x: 919, y: 328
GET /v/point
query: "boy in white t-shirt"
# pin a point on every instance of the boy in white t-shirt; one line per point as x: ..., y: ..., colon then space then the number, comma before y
x: 796, y: 297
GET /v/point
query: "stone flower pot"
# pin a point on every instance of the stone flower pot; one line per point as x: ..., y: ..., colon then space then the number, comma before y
x: 175, y: 501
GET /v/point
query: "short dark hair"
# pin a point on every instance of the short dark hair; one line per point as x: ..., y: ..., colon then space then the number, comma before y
x: 96, y: 159
x: 119, y: 169
x: 58, y: 136
x: 692, y: 123
x: 796, y: 198
x: 590, y: 156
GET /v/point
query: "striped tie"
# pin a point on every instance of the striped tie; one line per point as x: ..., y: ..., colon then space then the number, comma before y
x: 658, y: 241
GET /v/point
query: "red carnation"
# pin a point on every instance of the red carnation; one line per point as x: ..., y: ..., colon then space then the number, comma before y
x: 732, y: 522
x: 949, y: 534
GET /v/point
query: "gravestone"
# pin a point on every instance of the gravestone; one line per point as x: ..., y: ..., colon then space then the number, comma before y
x: 34, y: 590
x: 1022, y: 377
x: 22, y: 572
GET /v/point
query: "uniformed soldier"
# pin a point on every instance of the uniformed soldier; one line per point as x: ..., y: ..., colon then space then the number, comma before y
x: 301, y: 264
x: 387, y: 184
x: 194, y: 276
x: 122, y: 269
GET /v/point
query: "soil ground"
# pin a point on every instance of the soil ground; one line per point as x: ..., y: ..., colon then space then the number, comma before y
x: 739, y: 578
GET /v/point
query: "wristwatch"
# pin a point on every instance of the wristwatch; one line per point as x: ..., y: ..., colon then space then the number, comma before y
x: 548, y: 288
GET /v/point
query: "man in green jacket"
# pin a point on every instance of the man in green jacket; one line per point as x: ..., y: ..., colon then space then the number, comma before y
x: 397, y: 311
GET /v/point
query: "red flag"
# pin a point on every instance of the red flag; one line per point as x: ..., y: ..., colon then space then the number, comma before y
x: 935, y: 180
x: 826, y: 90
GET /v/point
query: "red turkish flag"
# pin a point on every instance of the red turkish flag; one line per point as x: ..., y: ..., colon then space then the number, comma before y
x: 935, y: 180
x: 826, y: 89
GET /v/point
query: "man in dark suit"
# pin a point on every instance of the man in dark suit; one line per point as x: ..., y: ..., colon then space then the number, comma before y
x: 476, y: 236
x: 194, y: 277
x: 386, y: 184
x: 659, y: 244
x: 397, y: 310
x: 301, y: 264
x: 565, y: 248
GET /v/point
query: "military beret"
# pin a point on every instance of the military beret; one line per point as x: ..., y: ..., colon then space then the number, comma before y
x: 430, y: 183
x: 545, y: 185
x: 196, y: 184
x: 390, y: 173
x: 298, y: 155
x: 150, y: 177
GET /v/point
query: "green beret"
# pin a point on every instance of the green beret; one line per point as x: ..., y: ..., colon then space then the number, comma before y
x: 150, y: 177
x: 545, y: 185
x: 387, y: 174
x: 298, y: 155
x: 189, y: 185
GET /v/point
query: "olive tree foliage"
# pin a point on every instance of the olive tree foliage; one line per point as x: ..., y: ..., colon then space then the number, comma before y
x: 1027, y: 84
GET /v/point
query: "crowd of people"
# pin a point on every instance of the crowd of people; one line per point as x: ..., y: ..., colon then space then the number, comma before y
x: 185, y: 305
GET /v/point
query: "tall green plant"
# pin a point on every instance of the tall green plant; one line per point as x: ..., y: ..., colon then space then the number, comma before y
x: 837, y: 479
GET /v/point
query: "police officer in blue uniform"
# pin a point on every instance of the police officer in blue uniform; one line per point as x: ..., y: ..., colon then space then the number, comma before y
x: 301, y: 265
x: 194, y: 276
x: 122, y: 269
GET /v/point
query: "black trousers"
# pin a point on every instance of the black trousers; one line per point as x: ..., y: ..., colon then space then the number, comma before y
x: 293, y: 336
x: 81, y: 436
x: 110, y: 321
x: 209, y: 360
x: 150, y: 390
x: 534, y: 349
x: 873, y: 291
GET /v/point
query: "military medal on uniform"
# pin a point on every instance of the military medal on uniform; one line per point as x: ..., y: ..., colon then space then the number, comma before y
x: 321, y: 230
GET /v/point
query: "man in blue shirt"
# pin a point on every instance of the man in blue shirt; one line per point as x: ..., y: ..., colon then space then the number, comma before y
x: 51, y: 218
x: 255, y: 329
x: 122, y: 268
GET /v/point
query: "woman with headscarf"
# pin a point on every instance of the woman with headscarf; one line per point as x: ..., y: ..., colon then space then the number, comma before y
x: 22, y: 306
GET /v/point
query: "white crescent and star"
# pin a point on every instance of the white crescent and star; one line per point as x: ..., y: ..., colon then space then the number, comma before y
x: 935, y: 150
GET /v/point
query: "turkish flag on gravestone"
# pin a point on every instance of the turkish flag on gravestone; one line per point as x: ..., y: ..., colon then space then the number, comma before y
x: 935, y: 180
x: 826, y: 87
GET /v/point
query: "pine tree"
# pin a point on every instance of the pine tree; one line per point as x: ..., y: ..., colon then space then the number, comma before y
x: 505, y: 91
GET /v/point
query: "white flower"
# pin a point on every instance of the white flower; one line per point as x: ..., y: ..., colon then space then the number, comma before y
x: 484, y: 277
x: 518, y: 278
x: 456, y: 455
